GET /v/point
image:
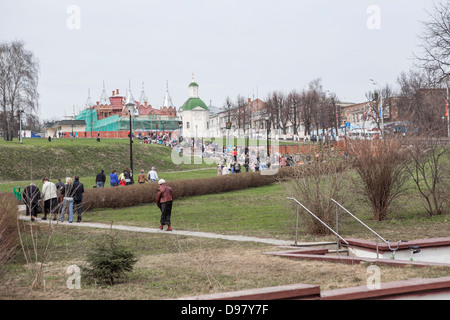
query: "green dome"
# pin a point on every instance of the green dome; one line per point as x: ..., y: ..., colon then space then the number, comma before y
x: 192, y: 103
x: 193, y: 84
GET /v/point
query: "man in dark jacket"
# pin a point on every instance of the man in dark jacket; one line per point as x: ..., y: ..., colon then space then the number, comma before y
x: 100, y: 179
x: 164, y: 200
x: 31, y: 197
x: 78, y: 197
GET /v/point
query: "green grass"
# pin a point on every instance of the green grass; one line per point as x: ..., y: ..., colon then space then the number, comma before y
x: 89, y: 181
x: 265, y: 212
x: 37, y: 158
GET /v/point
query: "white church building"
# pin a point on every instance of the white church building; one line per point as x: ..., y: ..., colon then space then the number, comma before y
x: 194, y: 114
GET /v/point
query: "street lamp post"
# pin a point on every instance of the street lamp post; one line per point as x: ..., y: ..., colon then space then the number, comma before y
x: 20, y: 125
x: 345, y: 134
x: 268, y: 149
x: 448, y: 114
x: 380, y: 106
x: 130, y: 107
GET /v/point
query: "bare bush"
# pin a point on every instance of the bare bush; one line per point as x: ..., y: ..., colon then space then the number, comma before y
x: 381, y: 168
x: 132, y: 195
x: 314, y: 186
x: 430, y: 170
x: 9, y: 237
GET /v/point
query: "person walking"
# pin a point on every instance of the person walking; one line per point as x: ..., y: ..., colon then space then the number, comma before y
x: 68, y: 192
x: 247, y: 162
x: 122, y: 181
x: 219, y: 168
x: 152, y: 175
x: 50, y: 198
x: 31, y: 197
x: 113, y: 179
x: 237, y: 167
x: 59, y: 186
x: 127, y: 175
x: 100, y: 179
x: 78, y: 197
x: 141, y: 177
x: 234, y: 153
x: 164, y: 200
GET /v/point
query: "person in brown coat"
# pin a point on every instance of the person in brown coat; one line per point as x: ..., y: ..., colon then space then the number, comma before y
x: 164, y: 200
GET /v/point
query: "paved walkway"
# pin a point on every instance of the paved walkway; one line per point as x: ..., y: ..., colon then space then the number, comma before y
x: 274, y: 242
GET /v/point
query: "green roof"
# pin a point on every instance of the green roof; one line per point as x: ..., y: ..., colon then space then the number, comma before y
x: 192, y: 103
x: 193, y: 84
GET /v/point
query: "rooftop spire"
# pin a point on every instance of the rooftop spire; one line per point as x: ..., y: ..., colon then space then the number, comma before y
x: 167, y: 99
x: 129, y: 98
x: 143, y: 99
x: 89, y: 103
x: 104, y: 98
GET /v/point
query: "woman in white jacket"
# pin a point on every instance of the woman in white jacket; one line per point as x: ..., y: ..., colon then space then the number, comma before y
x: 50, y: 198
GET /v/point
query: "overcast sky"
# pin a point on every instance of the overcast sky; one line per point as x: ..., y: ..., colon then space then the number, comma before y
x: 247, y: 47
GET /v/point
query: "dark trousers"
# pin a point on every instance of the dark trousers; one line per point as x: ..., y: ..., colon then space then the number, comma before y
x: 78, y: 208
x: 166, y: 211
x: 50, y: 206
x: 31, y: 209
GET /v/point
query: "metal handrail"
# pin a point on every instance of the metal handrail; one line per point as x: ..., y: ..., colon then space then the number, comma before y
x: 318, y: 219
x: 358, y: 220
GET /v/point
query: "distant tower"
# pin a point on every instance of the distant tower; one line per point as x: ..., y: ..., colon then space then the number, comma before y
x: 89, y: 103
x: 143, y: 100
x: 167, y: 99
x: 104, y: 100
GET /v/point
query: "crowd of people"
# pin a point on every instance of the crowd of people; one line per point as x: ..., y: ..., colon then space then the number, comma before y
x: 54, y: 199
x: 125, y: 178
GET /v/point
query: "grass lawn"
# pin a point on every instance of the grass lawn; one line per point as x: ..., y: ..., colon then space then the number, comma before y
x: 36, y: 158
x: 172, y: 266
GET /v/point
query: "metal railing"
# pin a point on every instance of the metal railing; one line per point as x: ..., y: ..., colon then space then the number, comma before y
x: 312, y: 214
x: 337, y: 203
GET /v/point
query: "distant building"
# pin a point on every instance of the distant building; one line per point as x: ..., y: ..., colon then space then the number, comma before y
x: 109, y: 117
x: 64, y: 128
x: 194, y: 114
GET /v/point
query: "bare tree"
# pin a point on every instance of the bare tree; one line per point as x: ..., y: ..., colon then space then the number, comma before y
x: 294, y: 109
x: 435, y: 55
x: 334, y: 113
x: 278, y: 107
x: 430, y: 172
x: 19, y: 70
x: 311, y: 99
x: 421, y: 102
x: 315, y: 185
x: 380, y: 105
x: 381, y: 168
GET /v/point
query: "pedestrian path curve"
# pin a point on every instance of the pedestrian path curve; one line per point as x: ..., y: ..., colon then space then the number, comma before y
x: 275, y: 242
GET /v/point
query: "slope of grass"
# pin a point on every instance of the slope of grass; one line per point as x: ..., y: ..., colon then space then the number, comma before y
x: 36, y: 158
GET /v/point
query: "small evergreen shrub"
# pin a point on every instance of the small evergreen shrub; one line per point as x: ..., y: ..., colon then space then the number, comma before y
x: 109, y: 261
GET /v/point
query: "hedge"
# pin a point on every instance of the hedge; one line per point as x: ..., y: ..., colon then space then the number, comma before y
x: 132, y: 195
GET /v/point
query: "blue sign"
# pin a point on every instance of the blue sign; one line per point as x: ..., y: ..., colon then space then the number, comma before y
x: 347, y: 124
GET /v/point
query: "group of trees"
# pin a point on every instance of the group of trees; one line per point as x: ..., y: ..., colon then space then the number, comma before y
x: 19, y: 74
x: 418, y: 96
x: 310, y: 109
